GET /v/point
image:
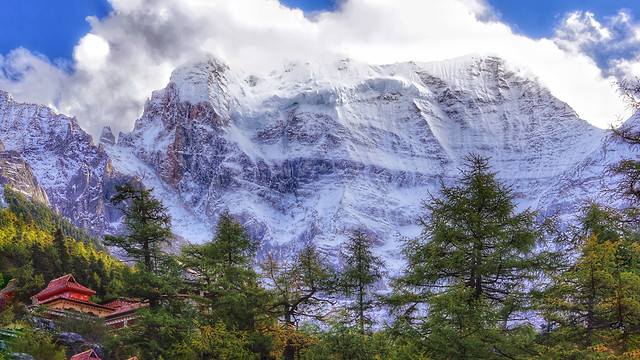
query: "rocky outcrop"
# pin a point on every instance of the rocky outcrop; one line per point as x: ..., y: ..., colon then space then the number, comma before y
x: 77, y: 176
x: 16, y: 173
x: 20, y: 356
x: 310, y: 153
x: 107, y: 137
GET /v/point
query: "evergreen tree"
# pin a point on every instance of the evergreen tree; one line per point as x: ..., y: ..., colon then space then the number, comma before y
x: 60, y: 244
x: 361, y: 269
x: 470, y: 270
x: 147, y: 222
x: 595, y: 302
x: 231, y: 293
x: 628, y: 170
x: 157, y: 333
x: 300, y: 289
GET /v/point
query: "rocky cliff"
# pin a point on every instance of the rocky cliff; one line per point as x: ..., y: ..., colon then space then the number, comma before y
x: 77, y: 176
x: 310, y: 152
x: 16, y: 173
x: 313, y: 151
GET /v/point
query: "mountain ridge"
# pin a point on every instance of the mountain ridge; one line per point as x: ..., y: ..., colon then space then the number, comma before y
x: 313, y: 151
x: 309, y: 154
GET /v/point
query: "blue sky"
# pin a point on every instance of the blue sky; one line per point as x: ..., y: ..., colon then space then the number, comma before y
x: 45, y: 26
x: 70, y: 54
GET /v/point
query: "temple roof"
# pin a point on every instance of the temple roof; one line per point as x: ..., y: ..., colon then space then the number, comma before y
x: 62, y: 283
x: 89, y: 354
x: 125, y: 309
x: 83, y: 302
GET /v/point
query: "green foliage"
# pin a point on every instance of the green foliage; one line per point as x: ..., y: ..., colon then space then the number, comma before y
x: 231, y: 292
x: 93, y: 329
x: 360, y: 271
x: 595, y: 303
x: 224, y: 271
x: 37, y: 253
x: 39, y: 214
x: 468, y: 276
x: 216, y: 342
x: 157, y: 333
x: 301, y: 288
x: 344, y: 342
x: 147, y: 222
x: 38, y: 344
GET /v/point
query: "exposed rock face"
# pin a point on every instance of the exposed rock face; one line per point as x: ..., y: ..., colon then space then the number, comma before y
x: 107, y: 136
x: 77, y: 176
x: 16, y: 173
x: 312, y: 153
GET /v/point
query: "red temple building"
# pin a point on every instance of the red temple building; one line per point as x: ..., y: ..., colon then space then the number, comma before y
x: 64, y: 293
x: 123, y: 315
x: 87, y: 355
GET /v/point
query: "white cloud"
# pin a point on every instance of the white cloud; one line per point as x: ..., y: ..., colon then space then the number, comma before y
x: 91, y: 53
x: 133, y: 51
x: 613, y: 44
x: 31, y: 77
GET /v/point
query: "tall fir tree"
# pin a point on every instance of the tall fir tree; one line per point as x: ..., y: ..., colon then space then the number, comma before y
x: 60, y: 244
x: 232, y: 297
x: 147, y: 223
x: 595, y: 302
x: 301, y: 289
x: 148, y: 226
x: 628, y: 170
x: 469, y: 275
x: 361, y: 269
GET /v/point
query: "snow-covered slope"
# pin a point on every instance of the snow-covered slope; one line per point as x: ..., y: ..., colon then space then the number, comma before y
x: 314, y: 151
x: 77, y: 176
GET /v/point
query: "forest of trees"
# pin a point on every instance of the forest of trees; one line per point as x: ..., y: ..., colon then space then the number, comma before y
x: 483, y: 281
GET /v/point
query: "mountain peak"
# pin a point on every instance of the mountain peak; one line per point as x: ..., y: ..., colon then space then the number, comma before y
x: 107, y: 137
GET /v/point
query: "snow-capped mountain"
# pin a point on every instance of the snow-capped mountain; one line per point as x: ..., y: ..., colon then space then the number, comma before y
x: 77, y: 176
x: 314, y: 151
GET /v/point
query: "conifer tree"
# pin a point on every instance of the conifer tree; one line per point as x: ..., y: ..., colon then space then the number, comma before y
x: 147, y: 223
x: 148, y: 226
x: 628, y: 170
x: 232, y: 295
x: 360, y: 271
x: 595, y: 302
x: 468, y: 275
x: 300, y: 289
x: 60, y: 244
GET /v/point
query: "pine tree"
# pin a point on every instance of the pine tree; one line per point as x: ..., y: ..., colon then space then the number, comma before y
x: 360, y: 271
x: 628, y: 170
x: 148, y: 227
x: 60, y: 244
x: 470, y: 271
x: 147, y: 222
x: 595, y: 302
x: 300, y: 289
x: 232, y: 294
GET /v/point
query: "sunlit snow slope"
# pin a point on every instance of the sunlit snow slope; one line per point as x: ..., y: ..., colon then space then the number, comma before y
x: 314, y: 151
